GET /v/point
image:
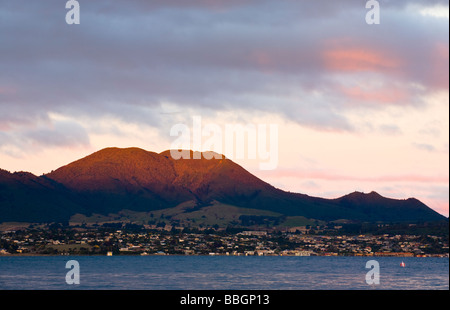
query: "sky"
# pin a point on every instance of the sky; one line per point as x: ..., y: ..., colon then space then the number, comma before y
x: 358, y: 106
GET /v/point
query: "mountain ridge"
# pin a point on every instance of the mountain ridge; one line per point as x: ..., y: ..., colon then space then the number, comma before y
x: 115, y: 179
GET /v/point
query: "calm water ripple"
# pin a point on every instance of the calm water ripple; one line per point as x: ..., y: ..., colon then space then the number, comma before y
x: 222, y: 273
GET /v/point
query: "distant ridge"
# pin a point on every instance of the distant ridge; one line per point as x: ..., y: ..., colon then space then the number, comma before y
x: 115, y: 179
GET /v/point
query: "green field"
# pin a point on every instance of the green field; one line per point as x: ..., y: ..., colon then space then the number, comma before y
x: 190, y: 215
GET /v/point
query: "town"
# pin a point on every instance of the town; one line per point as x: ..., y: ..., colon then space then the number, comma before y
x: 129, y: 240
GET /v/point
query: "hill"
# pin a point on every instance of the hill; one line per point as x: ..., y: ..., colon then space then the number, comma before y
x: 113, y: 180
x: 25, y: 197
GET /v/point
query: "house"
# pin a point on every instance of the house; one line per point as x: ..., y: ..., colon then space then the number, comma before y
x: 3, y: 252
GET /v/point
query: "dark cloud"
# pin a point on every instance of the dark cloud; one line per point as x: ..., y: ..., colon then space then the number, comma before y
x: 64, y: 134
x: 304, y: 60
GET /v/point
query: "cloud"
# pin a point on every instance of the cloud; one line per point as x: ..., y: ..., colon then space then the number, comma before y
x: 424, y: 146
x: 311, y: 62
x: 61, y: 134
x: 390, y: 129
x: 35, y: 138
x: 358, y: 60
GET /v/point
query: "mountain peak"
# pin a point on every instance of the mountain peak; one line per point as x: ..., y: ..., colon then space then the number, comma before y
x: 114, y: 169
x: 134, y: 170
x: 114, y: 179
x: 189, y: 154
x: 365, y: 196
x: 374, y: 194
x: 357, y: 193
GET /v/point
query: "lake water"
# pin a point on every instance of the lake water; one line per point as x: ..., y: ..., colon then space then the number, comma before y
x: 221, y: 273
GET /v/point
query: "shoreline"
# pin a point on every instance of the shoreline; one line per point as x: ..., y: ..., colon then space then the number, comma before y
x: 221, y: 255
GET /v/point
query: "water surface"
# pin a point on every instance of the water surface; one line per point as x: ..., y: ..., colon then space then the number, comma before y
x: 221, y: 273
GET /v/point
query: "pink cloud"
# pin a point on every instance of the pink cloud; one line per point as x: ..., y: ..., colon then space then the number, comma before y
x: 262, y: 58
x: 384, y: 95
x: 4, y: 126
x: 440, y: 66
x: 7, y: 90
x: 359, y: 59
